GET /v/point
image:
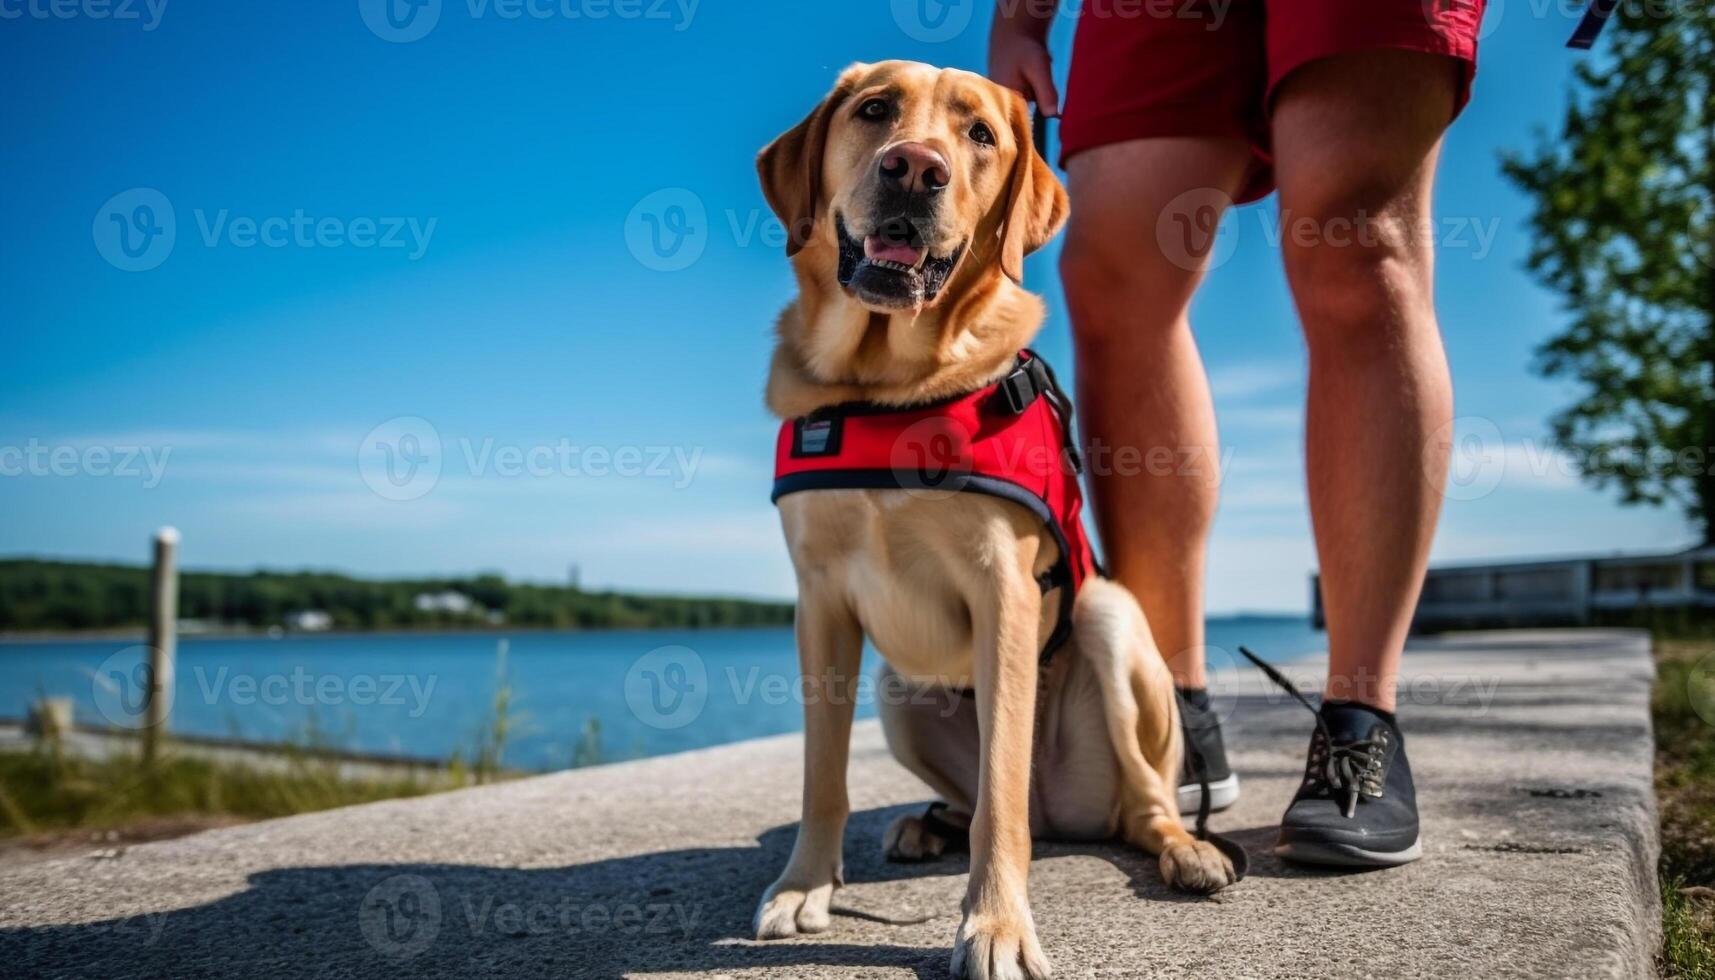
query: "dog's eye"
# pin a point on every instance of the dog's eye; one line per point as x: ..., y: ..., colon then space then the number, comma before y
x: 982, y: 134
x: 874, y: 109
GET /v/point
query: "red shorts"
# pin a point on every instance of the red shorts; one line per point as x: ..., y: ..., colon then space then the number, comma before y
x: 1154, y: 68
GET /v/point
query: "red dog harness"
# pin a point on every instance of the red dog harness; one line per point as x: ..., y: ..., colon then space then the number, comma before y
x: 1011, y: 440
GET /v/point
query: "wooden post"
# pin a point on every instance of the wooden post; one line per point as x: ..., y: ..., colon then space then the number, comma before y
x: 163, y: 639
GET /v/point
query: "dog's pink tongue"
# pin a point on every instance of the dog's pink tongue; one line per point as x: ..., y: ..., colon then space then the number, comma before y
x: 875, y: 248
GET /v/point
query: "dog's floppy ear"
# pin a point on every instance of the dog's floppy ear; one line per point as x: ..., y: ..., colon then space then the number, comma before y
x: 1035, y: 201
x: 791, y: 167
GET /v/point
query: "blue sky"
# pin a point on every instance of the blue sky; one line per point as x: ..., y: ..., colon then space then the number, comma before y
x: 459, y: 231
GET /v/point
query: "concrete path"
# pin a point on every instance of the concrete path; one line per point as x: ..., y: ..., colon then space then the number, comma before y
x: 1533, y: 759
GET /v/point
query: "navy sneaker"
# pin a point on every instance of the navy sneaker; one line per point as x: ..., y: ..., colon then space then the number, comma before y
x: 1357, y: 807
x: 1203, y: 746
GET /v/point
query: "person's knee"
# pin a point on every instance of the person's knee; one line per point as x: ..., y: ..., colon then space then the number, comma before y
x: 1093, y: 272
x: 1118, y: 286
x: 1359, y: 274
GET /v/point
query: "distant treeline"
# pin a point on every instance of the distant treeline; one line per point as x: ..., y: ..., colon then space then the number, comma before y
x: 52, y: 595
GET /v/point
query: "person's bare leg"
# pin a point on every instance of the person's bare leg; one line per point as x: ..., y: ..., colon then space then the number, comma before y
x: 1356, y: 140
x: 1143, y: 397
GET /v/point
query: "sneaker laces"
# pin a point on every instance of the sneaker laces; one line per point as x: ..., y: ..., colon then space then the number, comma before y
x: 1351, y: 769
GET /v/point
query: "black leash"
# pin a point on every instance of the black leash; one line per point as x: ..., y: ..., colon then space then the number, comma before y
x: 1278, y: 678
x: 1233, y: 850
x: 1200, y: 768
x: 1595, y: 18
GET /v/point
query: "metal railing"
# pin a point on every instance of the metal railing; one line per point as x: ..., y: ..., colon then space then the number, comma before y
x: 1559, y: 592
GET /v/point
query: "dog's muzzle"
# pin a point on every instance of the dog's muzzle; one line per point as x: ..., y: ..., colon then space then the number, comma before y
x: 892, y: 267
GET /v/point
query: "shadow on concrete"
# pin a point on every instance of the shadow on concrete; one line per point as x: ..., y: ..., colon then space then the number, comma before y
x: 676, y: 910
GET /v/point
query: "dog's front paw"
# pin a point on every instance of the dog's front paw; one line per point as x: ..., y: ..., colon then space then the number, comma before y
x: 998, y: 948
x: 1197, y: 866
x: 909, y: 839
x: 788, y: 909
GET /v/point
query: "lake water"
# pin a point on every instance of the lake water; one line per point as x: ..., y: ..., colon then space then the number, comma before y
x: 431, y: 694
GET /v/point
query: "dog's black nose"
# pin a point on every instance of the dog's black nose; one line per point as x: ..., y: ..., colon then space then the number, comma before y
x: 915, y: 168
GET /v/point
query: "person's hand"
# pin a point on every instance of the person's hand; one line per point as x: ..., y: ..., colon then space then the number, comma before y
x: 1019, y: 59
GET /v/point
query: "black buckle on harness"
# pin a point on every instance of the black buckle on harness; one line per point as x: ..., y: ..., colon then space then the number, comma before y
x: 1028, y: 382
x: 1033, y: 379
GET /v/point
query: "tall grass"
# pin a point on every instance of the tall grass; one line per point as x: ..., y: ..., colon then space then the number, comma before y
x: 44, y: 790
x: 1688, y: 945
x: 1683, y: 710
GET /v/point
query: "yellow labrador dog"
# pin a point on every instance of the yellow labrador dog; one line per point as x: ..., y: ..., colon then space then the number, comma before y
x: 911, y: 196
